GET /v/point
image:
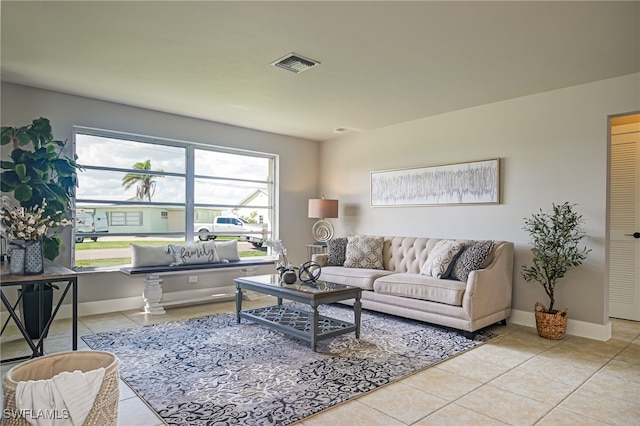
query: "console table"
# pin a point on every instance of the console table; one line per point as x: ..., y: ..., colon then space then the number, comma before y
x: 53, y: 273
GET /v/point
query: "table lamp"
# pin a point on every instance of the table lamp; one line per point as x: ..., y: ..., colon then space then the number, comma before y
x: 321, y: 209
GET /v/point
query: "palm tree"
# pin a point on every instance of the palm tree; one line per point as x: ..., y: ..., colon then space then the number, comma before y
x: 146, y: 183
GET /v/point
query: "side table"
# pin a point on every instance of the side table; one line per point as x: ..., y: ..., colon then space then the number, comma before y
x: 315, y: 249
x: 53, y: 273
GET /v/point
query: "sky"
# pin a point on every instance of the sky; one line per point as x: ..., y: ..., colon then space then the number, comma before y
x: 107, y: 185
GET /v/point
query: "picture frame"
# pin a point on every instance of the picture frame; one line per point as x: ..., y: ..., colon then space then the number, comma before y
x: 475, y: 182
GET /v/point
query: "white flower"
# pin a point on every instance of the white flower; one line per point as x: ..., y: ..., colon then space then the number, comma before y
x: 278, y: 248
x: 18, y: 223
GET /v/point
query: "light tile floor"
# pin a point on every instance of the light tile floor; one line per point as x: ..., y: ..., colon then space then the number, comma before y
x: 516, y: 379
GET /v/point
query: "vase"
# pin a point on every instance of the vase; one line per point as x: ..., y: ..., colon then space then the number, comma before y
x: 289, y: 277
x: 26, y: 257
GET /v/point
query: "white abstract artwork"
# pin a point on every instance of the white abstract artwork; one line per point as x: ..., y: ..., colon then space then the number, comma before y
x: 464, y: 183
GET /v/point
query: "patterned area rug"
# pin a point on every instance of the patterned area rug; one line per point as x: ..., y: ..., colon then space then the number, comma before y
x: 211, y: 370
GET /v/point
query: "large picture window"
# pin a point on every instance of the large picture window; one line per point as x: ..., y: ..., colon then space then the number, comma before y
x: 143, y: 190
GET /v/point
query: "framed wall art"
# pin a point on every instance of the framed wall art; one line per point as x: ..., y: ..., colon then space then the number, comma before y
x: 476, y: 182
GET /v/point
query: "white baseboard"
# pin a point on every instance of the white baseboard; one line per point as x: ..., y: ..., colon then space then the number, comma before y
x: 136, y: 302
x: 574, y: 327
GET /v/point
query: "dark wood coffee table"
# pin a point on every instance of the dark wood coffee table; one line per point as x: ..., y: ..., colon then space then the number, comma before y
x: 310, y: 326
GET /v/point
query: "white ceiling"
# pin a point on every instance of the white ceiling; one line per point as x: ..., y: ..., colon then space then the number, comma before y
x: 381, y: 62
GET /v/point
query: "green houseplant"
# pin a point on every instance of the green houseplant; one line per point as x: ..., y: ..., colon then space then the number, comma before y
x: 555, y: 237
x: 39, y: 176
x: 37, y: 172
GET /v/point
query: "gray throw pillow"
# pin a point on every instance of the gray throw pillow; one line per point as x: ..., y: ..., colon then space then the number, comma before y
x: 364, y: 252
x: 336, y: 251
x: 471, y: 259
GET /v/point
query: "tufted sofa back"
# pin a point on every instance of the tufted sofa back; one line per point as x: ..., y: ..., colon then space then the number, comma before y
x: 408, y: 254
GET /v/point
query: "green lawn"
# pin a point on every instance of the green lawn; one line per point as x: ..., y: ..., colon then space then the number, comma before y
x: 91, y: 245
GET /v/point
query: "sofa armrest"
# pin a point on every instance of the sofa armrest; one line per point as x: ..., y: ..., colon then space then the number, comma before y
x: 489, y: 290
x: 320, y: 258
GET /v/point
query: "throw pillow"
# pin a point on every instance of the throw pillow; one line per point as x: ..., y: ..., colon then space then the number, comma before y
x: 337, y: 251
x: 150, y: 256
x: 440, y: 257
x: 194, y: 253
x: 364, y: 252
x: 471, y: 259
x: 227, y: 250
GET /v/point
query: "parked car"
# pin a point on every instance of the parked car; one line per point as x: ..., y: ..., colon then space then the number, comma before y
x: 255, y: 233
x: 234, y: 226
x: 229, y: 225
x: 87, y: 223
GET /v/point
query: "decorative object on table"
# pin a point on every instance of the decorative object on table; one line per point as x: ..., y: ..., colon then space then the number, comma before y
x: 555, y: 238
x: 36, y: 171
x: 309, y: 272
x: 214, y: 383
x: 284, y: 267
x: 26, y: 257
x: 25, y: 229
x: 476, y: 182
x: 322, y: 209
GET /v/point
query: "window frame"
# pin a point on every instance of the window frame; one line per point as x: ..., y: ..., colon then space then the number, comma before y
x: 190, y: 205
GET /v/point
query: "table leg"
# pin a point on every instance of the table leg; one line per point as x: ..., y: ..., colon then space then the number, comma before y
x: 74, y: 323
x: 314, y: 328
x: 14, y: 309
x: 238, y: 302
x: 357, y: 310
x: 23, y: 330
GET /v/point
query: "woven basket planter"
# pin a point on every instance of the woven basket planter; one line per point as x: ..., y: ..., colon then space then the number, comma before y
x: 550, y: 326
x: 105, y: 407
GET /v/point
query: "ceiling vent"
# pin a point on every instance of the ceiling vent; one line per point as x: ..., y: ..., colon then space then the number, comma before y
x: 295, y: 63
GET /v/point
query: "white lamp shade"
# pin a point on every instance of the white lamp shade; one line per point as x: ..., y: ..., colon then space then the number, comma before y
x: 323, y: 208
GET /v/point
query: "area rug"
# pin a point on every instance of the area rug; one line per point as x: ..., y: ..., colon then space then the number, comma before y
x: 210, y: 370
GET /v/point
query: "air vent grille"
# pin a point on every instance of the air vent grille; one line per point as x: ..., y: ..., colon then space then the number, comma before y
x: 295, y: 63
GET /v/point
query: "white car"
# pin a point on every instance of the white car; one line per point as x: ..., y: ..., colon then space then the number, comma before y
x: 87, y: 223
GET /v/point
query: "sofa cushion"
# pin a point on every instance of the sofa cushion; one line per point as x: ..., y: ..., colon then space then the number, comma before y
x: 356, y: 277
x: 364, y: 252
x: 227, y: 250
x: 194, y: 253
x: 150, y: 256
x: 422, y: 287
x: 472, y: 257
x: 440, y: 258
x: 337, y: 251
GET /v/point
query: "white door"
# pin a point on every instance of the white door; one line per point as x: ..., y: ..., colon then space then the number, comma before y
x: 624, y: 245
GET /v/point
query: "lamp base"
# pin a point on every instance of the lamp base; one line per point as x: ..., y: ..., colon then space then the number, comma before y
x: 322, y: 231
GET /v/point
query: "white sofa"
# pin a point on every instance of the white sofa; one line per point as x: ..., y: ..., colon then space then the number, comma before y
x: 401, y: 289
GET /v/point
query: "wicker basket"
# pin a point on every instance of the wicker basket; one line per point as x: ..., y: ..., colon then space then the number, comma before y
x: 105, y: 408
x: 550, y: 326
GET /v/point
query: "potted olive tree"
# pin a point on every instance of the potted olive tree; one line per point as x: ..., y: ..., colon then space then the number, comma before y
x: 39, y: 176
x: 555, y: 239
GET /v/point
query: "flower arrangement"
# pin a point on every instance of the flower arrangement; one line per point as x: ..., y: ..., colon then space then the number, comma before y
x: 19, y: 223
x: 278, y: 248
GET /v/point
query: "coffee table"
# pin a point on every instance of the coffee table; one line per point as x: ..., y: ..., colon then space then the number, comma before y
x: 310, y: 326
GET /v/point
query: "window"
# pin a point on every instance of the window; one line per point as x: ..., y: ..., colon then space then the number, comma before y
x: 126, y: 218
x: 156, y: 191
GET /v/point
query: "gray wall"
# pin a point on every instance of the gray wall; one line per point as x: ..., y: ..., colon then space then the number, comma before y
x: 298, y: 179
x: 553, y: 148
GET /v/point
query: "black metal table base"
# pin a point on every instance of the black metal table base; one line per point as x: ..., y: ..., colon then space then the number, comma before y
x: 53, y: 274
